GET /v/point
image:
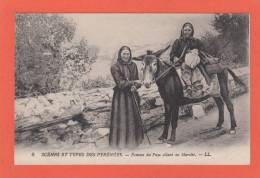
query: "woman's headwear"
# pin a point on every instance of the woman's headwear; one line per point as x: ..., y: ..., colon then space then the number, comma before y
x: 187, y: 24
x: 120, y: 51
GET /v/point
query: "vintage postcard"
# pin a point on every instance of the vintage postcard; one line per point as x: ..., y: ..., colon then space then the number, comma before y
x: 132, y: 88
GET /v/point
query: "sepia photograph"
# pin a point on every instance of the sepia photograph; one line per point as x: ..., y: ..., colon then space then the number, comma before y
x: 132, y: 88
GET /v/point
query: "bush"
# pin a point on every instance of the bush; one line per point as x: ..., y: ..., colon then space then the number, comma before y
x: 41, y: 56
x: 99, y: 82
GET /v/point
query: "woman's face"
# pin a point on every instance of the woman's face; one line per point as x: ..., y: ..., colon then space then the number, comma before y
x: 125, y: 55
x: 187, y: 31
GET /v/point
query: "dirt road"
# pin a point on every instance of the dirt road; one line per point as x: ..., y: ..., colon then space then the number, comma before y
x: 194, y: 132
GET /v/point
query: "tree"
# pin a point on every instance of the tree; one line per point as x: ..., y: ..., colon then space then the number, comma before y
x: 38, y: 60
x: 234, y: 30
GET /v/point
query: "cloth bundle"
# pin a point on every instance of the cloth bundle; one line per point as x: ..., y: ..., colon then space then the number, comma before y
x: 192, y: 58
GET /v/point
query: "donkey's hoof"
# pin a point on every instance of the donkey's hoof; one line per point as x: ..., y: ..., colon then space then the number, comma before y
x: 218, y: 127
x: 163, y: 139
x: 170, y: 142
x: 232, y: 131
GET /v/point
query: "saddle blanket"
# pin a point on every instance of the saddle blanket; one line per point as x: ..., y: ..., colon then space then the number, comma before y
x: 199, y: 86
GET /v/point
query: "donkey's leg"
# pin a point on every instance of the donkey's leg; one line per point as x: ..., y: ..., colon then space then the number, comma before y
x: 231, y: 112
x: 220, y: 105
x: 167, y: 120
x: 223, y: 81
x: 174, y: 123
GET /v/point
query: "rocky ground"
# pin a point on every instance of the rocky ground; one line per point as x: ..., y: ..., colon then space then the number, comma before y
x: 193, y: 137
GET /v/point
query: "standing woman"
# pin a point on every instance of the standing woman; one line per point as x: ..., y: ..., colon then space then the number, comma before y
x: 126, y: 129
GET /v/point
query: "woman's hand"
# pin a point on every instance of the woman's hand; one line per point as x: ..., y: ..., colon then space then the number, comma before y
x: 139, y: 82
x: 175, y: 59
x: 133, y: 88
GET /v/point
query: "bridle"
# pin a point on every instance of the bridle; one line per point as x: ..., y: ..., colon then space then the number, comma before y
x: 164, y: 73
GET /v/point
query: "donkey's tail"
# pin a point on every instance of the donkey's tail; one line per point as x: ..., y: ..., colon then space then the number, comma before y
x: 237, y: 79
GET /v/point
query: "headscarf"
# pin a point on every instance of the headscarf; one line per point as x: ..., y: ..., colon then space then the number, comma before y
x: 119, y: 55
x: 187, y: 24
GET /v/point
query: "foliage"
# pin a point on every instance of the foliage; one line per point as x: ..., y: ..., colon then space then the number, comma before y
x: 77, y: 65
x: 43, y: 47
x: 38, y: 41
x: 231, y: 42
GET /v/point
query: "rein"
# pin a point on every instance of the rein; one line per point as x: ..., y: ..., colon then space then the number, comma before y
x: 164, y: 73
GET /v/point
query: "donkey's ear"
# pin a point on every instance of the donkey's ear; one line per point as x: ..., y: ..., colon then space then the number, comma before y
x: 138, y: 58
x: 159, y: 52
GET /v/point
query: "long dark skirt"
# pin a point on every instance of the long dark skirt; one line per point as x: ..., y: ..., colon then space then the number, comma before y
x: 126, y: 125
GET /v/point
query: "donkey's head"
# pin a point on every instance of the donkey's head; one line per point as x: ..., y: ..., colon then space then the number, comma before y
x: 150, y: 66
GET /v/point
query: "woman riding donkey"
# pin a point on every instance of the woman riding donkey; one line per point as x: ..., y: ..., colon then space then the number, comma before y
x: 186, y: 52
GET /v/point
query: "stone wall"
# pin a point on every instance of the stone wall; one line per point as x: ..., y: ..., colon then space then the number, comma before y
x: 49, y: 118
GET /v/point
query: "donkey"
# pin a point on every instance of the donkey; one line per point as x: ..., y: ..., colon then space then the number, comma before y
x: 171, y: 91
